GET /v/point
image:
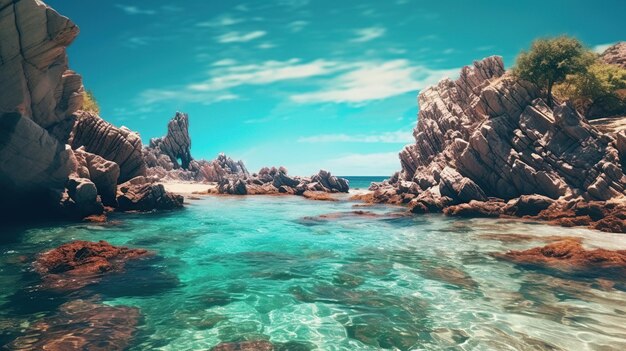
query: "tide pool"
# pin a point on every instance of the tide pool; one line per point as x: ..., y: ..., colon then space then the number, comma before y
x: 250, y: 268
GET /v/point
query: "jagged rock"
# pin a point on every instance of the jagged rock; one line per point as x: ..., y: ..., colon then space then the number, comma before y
x: 330, y: 182
x: 80, y: 263
x: 119, y: 145
x: 138, y: 194
x: 38, y: 95
x: 101, y: 172
x: 176, y: 145
x: 36, y: 82
x: 488, y: 134
x: 615, y: 55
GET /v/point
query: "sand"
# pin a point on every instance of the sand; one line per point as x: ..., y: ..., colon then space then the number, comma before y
x: 189, y: 188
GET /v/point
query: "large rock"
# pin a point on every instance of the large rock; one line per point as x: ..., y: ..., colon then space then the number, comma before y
x: 38, y: 95
x: 176, y: 145
x: 119, y: 145
x: 488, y: 134
x: 139, y: 194
x: 34, y: 76
x: 103, y: 173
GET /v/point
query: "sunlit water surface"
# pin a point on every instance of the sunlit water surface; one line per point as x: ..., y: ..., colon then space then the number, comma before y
x: 251, y: 268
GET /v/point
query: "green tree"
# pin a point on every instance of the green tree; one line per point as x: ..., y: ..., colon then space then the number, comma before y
x: 550, y: 61
x: 89, y: 102
x: 598, y: 92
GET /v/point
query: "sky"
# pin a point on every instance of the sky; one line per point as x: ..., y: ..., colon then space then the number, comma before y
x: 308, y: 84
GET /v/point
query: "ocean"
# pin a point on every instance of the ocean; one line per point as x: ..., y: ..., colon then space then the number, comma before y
x: 270, y: 268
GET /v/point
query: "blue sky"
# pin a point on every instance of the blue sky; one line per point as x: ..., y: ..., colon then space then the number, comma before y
x: 307, y: 84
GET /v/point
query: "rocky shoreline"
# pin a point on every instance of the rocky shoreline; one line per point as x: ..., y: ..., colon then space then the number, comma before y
x: 488, y: 145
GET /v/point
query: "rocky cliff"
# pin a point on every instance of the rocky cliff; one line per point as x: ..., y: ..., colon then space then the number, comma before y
x: 615, y: 55
x: 39, y: 96
x: 43, y: 170
x: 488, y: 135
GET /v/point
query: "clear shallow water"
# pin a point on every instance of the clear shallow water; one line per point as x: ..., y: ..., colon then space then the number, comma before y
x: 252, y: 268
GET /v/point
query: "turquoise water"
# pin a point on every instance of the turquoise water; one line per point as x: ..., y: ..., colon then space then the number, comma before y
x: 255, y: 268
x: 363, y: 182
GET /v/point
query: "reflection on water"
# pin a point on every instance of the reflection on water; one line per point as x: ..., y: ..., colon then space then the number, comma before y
x: 256, y: 269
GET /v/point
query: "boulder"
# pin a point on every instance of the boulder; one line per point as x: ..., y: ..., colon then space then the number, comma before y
x: 103, y: 173
x: 138, y: 194
x: 331, y: 183
x: 119, y: 145
x: 473, y: 209
x: 528, y: 205
x: 84, y: 199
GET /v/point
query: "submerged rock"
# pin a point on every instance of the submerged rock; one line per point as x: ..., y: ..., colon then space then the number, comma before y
x: 80, y: 263
x: 254, y: 345
x: 570, y: 256
x: 79, y: 326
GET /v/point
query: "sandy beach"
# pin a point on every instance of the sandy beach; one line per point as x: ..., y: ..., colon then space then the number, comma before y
x: 189, y: 188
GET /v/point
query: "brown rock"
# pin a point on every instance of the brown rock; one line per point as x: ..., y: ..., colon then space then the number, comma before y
x: 476, y: 209
x: 119, y: 145
x: 103, y: 173
x: 318, y: 195
x: 615, y: 55
x: 568, y: 255
x: 81, y: 326
x: 80, y: 263
x: 528, y: 205
x: 140, y: 195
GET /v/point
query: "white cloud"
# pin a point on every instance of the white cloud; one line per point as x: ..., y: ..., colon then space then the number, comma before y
x: 266, y: 46
x: 399, y: 137
x: 367, y: 34
x: 297, y: 26
x: 224, y: 62
x: 226, y: 75
x: 263, y: 73
x: 133, y: 10
x: 238, y: 37
x: 221, y: 21
x: 375, y: 81
x: 598, y: 49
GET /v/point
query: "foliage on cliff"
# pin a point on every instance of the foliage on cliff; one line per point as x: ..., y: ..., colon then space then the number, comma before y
x: 90, y: 103
x: 550, y: 61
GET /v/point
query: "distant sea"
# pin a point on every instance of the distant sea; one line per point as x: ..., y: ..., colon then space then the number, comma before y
x: 363, y: 182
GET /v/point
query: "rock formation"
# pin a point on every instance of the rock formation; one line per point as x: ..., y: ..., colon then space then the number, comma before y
x: 176, y: 145
x: 140, y: 194
x: 39, y: 96
x: 119, y: 145
x: 488, y: 136
x: 277, y: 181
x: 169, y: 157
x: 40, y: 174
